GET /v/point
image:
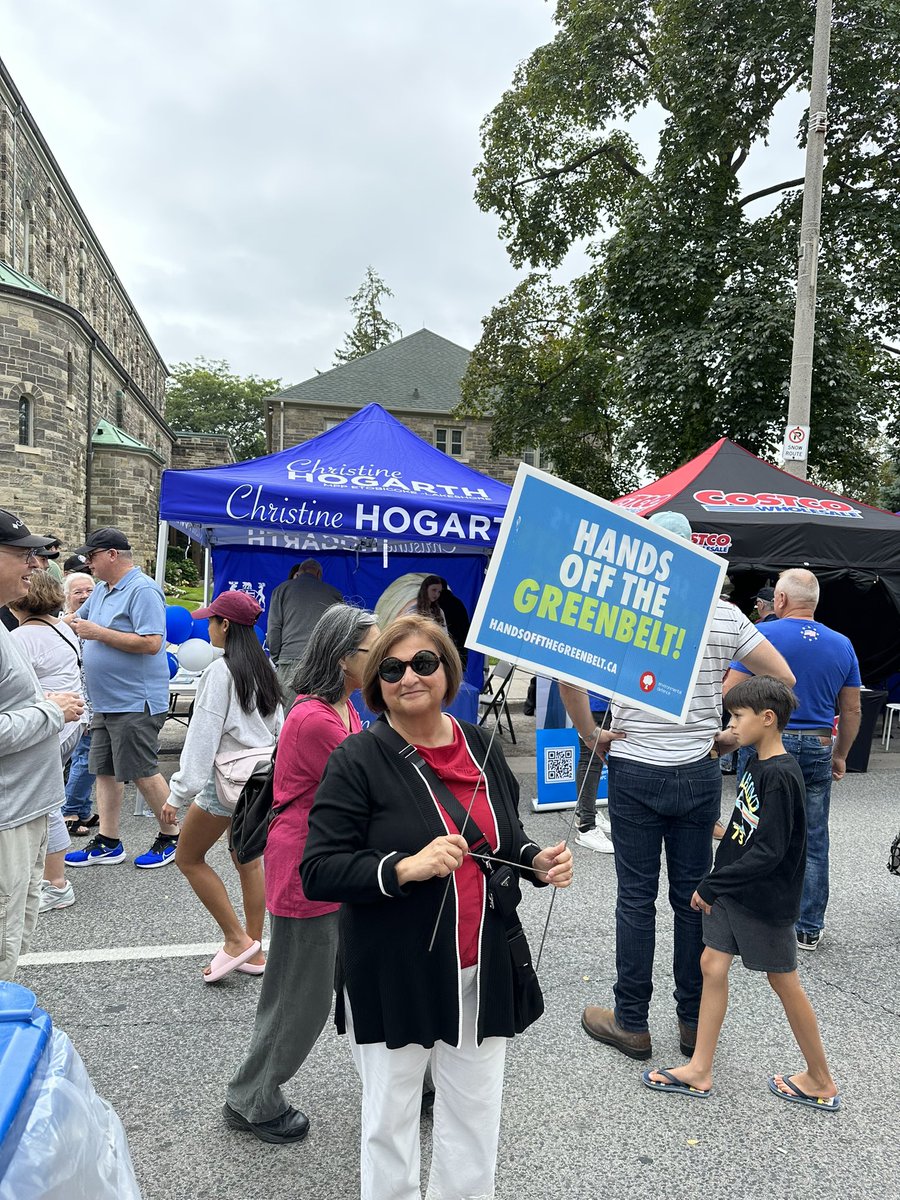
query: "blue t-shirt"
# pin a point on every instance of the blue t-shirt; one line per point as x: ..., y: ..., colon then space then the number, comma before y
x: 823, y: 660
x: 118, y: 681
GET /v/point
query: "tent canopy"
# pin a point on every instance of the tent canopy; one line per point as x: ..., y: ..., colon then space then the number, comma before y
x: 766, y: 521
x: 367, y: 482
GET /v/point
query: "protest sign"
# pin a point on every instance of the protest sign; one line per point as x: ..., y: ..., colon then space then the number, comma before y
x: 581, y: 590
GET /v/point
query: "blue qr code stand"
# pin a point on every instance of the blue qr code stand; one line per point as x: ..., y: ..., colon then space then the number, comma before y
x: 557, y: 752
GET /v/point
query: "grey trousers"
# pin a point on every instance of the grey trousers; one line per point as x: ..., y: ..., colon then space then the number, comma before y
x: 586, y: 782
x: 286, y: 670
x: 297, y: 990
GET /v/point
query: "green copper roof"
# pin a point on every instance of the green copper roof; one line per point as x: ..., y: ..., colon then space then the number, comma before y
x: 12, y: 278
x: 110, y: 437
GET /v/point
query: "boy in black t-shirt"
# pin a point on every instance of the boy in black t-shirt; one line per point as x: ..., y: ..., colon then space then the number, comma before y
x: 751, y: 899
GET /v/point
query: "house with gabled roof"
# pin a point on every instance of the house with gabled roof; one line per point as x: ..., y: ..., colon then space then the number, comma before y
x: 417, y: 379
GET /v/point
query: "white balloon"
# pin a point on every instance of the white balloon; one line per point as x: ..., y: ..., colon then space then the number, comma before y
x: 195, y: 655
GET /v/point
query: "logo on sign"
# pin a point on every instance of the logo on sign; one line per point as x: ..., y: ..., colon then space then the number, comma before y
x: 256, y: 590
x: 643, y: 502
x: 715, y: 500
x: 648, y: 681
x: 797, y: 435
x: 716, y: 543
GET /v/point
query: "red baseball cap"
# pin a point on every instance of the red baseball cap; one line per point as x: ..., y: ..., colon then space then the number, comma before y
x: 234, y: 605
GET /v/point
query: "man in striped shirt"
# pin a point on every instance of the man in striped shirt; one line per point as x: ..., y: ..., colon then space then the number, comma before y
x: 665, y: 788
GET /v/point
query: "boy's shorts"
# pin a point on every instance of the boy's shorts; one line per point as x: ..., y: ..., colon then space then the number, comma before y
x: 761, y: 946
x: 125, y: 745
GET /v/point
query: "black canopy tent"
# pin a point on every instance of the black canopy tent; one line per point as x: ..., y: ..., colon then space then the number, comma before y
x: 765, y: 521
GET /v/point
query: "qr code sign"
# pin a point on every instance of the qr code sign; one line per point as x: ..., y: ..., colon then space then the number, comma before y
x: 559, y: 764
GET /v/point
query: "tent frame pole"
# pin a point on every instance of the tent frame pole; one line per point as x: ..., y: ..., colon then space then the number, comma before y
x: 206, y: 575
x: 162, y: 541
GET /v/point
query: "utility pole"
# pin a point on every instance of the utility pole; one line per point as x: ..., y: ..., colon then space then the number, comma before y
x: 796, y: 439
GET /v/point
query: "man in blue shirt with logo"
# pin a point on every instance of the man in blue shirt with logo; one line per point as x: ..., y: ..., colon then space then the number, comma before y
x: 123, y: 625
x: 827, y: 672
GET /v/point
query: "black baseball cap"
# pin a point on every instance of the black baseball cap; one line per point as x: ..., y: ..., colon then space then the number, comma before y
x: 14, y: 533
x: 108, y: 538
x: 75, y: 562
x: 767, y: 594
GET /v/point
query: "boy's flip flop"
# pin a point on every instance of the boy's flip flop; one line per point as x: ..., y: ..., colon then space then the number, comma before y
x: 820, y: 1103
x: 223, y: 964
x: 673, y: 1084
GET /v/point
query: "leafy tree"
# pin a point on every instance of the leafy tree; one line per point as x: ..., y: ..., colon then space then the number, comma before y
x: 680, y: 332
x: 372, y: 329
x: 205, y: 397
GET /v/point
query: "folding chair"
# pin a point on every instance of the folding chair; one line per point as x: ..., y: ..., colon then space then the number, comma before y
x: 495, y: 702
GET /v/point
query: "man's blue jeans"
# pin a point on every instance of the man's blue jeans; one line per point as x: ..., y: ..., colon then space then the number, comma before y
x: 80, y: 781
x: 813, y: 755
x: 649, y: 807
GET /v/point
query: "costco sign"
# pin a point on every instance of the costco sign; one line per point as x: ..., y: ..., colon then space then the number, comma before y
x: 716, y: 543
x: 714, y: 500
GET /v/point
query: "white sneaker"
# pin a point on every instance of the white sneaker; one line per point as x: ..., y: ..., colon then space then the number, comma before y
x: 595, y: 839
x: 603, y: 823
x: 54, y: 897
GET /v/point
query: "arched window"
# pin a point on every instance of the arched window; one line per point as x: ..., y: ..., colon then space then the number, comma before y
x: 26, y: 420
x: 26, y: 241
x: 70, y: 377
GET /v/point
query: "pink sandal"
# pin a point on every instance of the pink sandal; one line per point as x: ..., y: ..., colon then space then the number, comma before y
x: 223, y: 964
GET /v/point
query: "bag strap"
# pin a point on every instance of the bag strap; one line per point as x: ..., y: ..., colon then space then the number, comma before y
x: 58, y: 634
x: 463, y: 820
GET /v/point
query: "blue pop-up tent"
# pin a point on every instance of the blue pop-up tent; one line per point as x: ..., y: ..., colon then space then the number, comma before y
x: 369, y: 499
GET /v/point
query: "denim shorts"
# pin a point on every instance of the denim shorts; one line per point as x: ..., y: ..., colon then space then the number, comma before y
x: 762, y: 946
x: 209, y: 801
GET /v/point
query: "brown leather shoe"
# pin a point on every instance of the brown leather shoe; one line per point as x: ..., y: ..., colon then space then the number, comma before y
x: 688, y: 1038
x: 601, y: 1024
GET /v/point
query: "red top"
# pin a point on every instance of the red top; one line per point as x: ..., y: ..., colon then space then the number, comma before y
x: 455, y: 766
x: 311, y: 731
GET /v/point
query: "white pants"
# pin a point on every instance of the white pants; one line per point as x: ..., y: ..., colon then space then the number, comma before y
x: 468, y: 1085
x: 22, y: 852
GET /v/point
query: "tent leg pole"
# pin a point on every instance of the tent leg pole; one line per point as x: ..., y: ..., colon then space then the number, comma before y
x: 206, y: 579
x: 162, y: 541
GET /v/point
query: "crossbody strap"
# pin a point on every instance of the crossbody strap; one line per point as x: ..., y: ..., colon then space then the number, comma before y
x: 463, y: 820
x: 38, y: 621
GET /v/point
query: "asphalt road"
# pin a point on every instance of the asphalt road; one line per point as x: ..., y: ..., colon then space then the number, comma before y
x: 120, y: 972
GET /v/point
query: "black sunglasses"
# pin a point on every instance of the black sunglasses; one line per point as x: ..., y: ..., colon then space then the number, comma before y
x: 426, y: 662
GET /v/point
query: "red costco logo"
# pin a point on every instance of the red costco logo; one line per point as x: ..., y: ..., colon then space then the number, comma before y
x: 718, y: 543
x: 648, y: 681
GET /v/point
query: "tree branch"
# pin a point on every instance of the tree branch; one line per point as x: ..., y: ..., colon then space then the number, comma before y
x: 891, y: 349
x: 542, y: 175
x: 776, y: 187
x: 738, y: 162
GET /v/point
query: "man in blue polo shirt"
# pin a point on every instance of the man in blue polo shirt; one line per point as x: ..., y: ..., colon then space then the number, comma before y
x: 123, y: 625
x: 827, y: 672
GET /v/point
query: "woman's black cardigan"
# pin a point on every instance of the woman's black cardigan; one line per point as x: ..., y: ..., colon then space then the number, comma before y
x: 371, y: 810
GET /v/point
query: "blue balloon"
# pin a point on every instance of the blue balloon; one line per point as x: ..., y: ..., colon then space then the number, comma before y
x: 179, y: 624
x: 173, y: 665
x: 200, y: 629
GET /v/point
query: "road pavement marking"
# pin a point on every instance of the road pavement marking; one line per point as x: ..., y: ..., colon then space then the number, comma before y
x: 59, y: 958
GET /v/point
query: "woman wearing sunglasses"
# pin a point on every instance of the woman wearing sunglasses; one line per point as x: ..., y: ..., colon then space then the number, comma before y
x: 384, y: 843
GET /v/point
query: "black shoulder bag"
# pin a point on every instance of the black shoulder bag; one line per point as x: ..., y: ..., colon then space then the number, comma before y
x: 256, y: 809
x: 501, y: 881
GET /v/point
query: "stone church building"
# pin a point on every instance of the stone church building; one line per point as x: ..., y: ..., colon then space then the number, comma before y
x: 83, y: 438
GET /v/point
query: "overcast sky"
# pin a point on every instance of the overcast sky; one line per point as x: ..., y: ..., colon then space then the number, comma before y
x: 243, y: 163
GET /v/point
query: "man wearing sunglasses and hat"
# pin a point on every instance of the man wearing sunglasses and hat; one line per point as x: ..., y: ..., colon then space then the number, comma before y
x: 123, y: 624
x: 31, y: 782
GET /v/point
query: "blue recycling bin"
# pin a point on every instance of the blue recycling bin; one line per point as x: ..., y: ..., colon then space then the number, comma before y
x: 58, y: 1138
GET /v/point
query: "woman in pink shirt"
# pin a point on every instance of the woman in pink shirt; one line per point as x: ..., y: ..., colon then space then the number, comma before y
x: 299, y: 979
